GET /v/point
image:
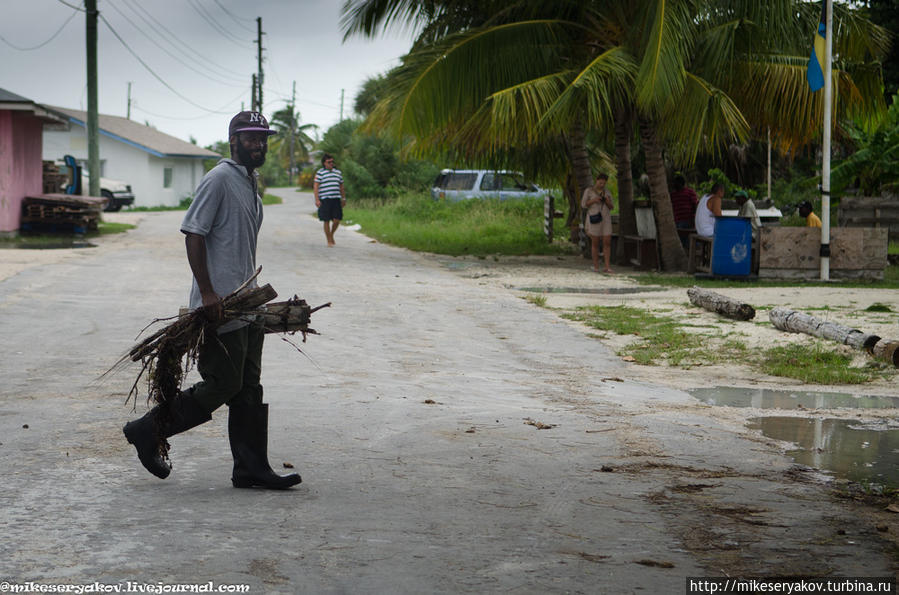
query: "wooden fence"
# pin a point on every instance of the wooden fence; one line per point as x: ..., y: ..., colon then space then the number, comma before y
x: 870, y: 211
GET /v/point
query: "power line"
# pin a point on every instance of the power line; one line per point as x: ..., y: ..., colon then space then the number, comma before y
x: 52, y: 37
x: 151, y: 71
x: 235, y: 18
x: 213, y: 23
x: 176, y: 58
x: 136, y: 104
x: 78, y: 8
x: 163, y: 31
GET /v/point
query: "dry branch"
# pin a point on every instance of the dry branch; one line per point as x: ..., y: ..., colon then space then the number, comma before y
x: 720, y: 304
x: 168, y: 352
x: 799, y: 322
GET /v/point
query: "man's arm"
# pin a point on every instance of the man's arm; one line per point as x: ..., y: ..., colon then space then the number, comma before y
x: 196, y: 257
x: 715, y: 206
x: 318, y: 202
x: 342, y: 195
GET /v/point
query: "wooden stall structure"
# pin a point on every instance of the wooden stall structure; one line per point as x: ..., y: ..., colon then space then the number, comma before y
x: 794, y: 252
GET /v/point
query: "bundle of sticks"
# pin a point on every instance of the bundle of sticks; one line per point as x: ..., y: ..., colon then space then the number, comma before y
x: 167, y: 354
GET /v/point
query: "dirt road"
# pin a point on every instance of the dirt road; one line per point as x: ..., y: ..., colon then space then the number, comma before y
x: 452, y: 437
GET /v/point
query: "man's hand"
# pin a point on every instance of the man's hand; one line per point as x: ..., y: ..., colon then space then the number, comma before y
x: 318, y: 203
x: 212, y: 307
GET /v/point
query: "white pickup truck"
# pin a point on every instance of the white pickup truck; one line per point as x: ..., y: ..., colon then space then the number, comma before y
x: 116, y: 192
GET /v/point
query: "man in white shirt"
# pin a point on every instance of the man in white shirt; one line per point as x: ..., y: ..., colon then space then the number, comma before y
x: 709, y: 207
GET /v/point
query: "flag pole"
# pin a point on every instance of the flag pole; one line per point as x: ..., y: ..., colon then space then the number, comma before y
x: 825, y: 161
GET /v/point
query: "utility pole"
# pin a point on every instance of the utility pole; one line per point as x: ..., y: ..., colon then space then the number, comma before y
x: 341, y: 106
x: 254, y: 104
x: 129, y: 101
x: 259, y: 78
x: 93, y: 120
x: 293, y: 104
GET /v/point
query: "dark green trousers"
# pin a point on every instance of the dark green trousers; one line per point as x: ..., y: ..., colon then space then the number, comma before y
x: 231, y: 366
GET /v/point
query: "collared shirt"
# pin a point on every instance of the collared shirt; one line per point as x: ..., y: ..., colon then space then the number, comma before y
x: 812, y: 220
x: 227, y: 212
x: 329, y: 182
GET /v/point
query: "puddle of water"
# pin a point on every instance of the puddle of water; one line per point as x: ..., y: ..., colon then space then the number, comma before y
x: 850, y: 449
x: 764, y: 398
x: 597, y: 290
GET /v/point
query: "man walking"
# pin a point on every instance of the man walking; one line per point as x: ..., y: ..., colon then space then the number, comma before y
x: 330, y: 196
x: 221, y: 227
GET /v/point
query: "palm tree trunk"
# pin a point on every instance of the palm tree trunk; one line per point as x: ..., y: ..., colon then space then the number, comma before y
x: 582, y: 173
x: 670, y: 248
x: 627, y: 222
x: 580, y: 160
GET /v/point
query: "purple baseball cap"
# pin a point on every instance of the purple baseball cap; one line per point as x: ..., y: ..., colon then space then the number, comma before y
x: 249, y: 122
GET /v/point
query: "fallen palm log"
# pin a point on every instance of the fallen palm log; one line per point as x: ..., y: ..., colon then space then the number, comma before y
x: 799, y: 322
x: 720, y: 304
x: 887, y: 351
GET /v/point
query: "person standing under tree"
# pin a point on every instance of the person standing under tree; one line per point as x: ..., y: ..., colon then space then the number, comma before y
x: 221, y: 228
x: 330, y: 196
x: 598, y: 203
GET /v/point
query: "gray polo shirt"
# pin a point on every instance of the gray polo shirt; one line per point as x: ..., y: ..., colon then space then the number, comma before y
x: 227, y: 211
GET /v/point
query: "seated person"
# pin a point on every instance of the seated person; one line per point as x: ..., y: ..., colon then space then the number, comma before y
x: 683, y: 203
x: 709, y: 207
x: 805, y: 210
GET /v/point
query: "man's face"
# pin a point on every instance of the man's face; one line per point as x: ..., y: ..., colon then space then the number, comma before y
x: 251, y: 148
x: 329, y: 163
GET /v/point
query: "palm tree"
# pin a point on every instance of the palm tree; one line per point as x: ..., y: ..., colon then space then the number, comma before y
x: 292, y: 144
x: 562, y: 69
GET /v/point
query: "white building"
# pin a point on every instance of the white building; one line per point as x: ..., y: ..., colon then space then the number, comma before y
x: 161, y: 169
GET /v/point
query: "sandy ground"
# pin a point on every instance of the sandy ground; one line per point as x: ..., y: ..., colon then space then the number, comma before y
x: 567, y: 283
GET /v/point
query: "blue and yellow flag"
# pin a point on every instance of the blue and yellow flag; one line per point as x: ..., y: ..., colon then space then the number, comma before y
x: 815, y: 74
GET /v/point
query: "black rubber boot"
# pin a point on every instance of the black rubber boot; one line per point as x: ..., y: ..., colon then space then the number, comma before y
x: 145, y: 433
x: 248, y: 434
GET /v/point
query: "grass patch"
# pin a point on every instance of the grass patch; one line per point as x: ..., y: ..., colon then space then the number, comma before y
x: 61, y: 240
x: 107, y: 228
x: 663, y: 339
x: 537, y: 300
x: 475, y: 227
x: 878, y: 307
x: 814, y: 364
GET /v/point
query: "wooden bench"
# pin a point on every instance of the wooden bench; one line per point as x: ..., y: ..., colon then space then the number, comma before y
x: 700, y: 254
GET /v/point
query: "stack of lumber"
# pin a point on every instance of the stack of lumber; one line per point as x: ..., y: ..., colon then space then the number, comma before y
x: 54, y: 180
x: 58, y: 212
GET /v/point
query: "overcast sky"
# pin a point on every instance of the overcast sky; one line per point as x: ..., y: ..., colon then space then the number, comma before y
x: 205, y: 50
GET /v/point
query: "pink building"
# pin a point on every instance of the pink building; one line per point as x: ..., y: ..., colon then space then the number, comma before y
x: 21, y: 145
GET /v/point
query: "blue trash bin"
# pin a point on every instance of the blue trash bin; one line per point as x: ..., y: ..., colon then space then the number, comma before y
x: 732, y: 248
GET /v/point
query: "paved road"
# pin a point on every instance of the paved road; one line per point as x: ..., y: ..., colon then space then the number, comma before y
x: 407, y: 420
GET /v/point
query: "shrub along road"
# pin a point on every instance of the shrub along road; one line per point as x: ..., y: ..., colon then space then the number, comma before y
x: 451, y: 437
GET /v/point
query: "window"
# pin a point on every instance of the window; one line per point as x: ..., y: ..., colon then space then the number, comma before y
x: 456, y: 181
x: 167, y: 177
x: 511, y: 182
x: 488, y: 182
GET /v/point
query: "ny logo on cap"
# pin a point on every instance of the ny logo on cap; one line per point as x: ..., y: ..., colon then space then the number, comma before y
x: 257, y: 117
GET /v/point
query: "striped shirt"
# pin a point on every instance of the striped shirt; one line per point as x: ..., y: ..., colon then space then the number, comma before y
x: 329, y: 182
